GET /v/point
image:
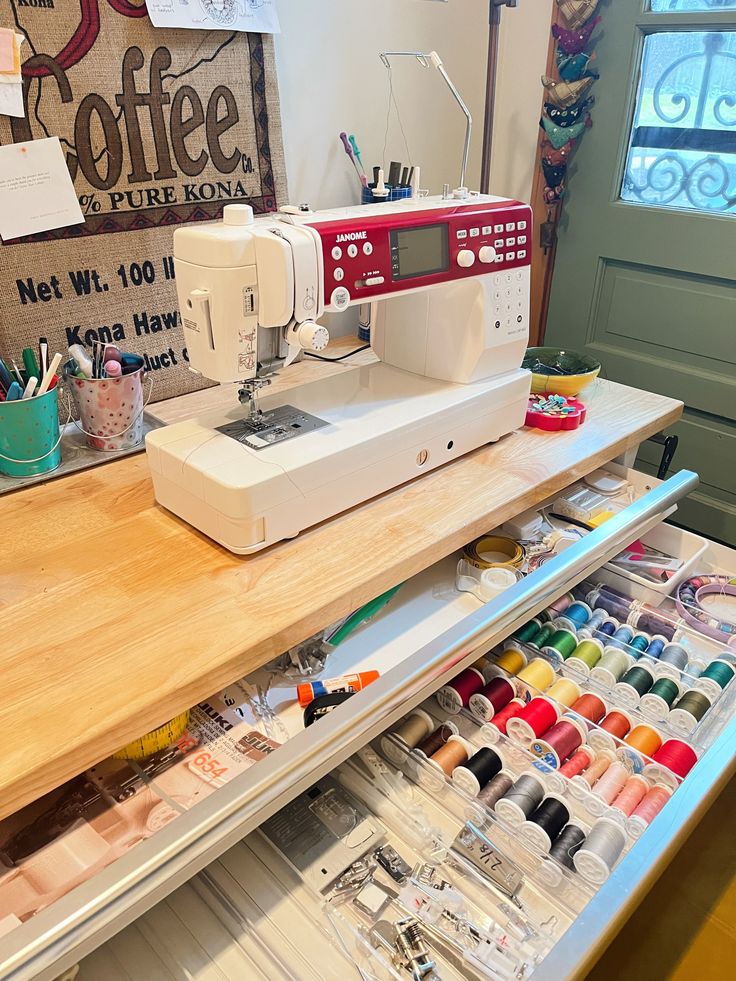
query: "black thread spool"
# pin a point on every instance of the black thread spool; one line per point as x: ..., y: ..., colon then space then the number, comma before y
x: 544, y: 825
x: 479, y: 770
x: 563, y: 849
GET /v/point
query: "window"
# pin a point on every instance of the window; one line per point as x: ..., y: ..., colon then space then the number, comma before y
x: 677, y: 6
x: 682, y: 151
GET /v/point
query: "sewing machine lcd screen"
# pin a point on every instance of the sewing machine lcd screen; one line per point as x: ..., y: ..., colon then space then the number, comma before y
x: 419, y: 251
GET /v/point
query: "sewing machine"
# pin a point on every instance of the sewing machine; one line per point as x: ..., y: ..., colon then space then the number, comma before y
x: 448, y: 287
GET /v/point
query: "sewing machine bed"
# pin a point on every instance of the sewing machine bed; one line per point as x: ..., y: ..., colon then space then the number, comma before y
x: 379, y: 427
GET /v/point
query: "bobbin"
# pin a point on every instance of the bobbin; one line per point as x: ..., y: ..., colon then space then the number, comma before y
x: 394, y: 747
x: 595, y: 866
x: 430, y: 774
x: 490, y: 732
x: 561, y: 645
x: 546, y: 753
x: 631, y: 755
x: 616, y: 813
x: 557, y: 782
x: 597, y: 619
x: 510, y: 811
x: 452, y: 699
x: 594, y: 802
x: 533, y: 679
x: 575, y: 666
x: 537, y: 835
x: 575, y: 616
x: 600, y: 739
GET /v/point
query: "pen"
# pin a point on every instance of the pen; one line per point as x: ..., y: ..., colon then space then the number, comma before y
x: 15, y: 392
x: 17, y: 372
x: 29, y: 362
x: 30, y: 387
x: 48, y: 377
x: 43, y: 354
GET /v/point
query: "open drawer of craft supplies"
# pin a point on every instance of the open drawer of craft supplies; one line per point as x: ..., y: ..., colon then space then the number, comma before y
x: 477, y: 775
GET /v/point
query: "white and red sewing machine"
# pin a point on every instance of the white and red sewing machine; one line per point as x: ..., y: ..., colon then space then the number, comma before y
x: 448, y: 284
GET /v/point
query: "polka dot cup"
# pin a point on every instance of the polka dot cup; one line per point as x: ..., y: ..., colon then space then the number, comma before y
x: 29, y: 435
x: 110, y: 410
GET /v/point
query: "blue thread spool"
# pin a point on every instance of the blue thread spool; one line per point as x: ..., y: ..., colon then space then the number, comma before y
x: 597, y: 617
x: 29, y: 435
x: 674, y: 654
x: 576, y: 615
x: 621, y: 638
x: 656, y: 645
x: 638, y: 646
x: 607, y: 629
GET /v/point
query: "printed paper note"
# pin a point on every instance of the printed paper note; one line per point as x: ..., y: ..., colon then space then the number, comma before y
x: 8, y: 50
x: 212, y: 15
x: 36, y: 191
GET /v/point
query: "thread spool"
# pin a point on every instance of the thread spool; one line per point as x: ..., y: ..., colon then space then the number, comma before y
x: 688, y: 711
x: 545, y: 823
x: 674, y: 655
x: 542, y: 636
x: 621, y: 638
x: 714, y: 678
x: 611, y: 728
x: 561, y: 604
x: 607, y: 629
x: 563, y: 692
x: 558, y: 743
x: 638, y: 645
x: 560, y: 645
x: 476, y: 810
x: 485, y: 703
x: 597, y: 619
x: 653, y: 621
x: 656, y: 645
x: 578, y: 762
x: 429, y: 746
x: 491, y: 731
x: 636, y: 682
x: 656, y: 704
x: 569, y: 841
x: 527, y: 631
x: 589, y: 707
x: 512, y: 660
x: 678, y: 757
x: 646, y: 811
x: 479, y: 770
x: 521, y: 800
x: 575, y: 616
x: 611, y: 668
x: 533, y: 721
x: 414, y: 729
x: 536, y: 677
x: 455, y: 695
x: 618, y: 604
x: 585, y: 656
x: 631, y: 795
x: 443, y: 761
x: 610, y: 784
x: 580, y: 786
x: 598, y: 854
x: 641, y: 741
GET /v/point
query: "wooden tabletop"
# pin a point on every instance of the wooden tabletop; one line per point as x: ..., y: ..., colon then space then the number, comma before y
x: 115, y: 615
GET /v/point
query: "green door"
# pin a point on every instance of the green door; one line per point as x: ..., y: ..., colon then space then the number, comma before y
x: 645, y: 277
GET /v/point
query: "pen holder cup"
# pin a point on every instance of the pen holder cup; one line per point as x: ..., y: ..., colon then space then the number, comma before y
x: 30, y: 440
x: 110, y: 409
x: 394, y: 194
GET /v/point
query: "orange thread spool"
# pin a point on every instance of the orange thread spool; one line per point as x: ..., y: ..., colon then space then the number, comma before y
x: 589, y: 707
x: 616, y: 723
x: 596, y: 769
x: 644, y: 739
x: 452, y: 754
x: 577, y: 763
x: 631, y: 795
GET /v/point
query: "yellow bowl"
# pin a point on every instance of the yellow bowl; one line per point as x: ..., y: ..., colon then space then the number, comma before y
x: 579, y: 370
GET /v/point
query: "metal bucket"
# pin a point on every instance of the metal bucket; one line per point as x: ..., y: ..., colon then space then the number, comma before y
x: 110, y: 409
x: 29, y: 435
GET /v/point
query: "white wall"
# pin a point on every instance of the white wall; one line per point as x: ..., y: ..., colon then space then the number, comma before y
x: 331, y: 79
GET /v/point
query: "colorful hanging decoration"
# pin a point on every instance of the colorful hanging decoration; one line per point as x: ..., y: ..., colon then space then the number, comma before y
x: 577, y: 12
x: 565, y: 115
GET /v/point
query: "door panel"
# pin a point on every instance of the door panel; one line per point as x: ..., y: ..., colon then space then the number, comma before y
x: 648, y: 284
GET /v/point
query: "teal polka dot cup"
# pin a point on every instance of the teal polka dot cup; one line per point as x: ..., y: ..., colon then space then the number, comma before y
x: 30, y: 442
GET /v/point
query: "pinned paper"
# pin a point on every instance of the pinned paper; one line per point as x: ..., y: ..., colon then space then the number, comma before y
x: 213, y: 15
x: 11, y: 100
x: 36, y: 191
x: 9, y: 55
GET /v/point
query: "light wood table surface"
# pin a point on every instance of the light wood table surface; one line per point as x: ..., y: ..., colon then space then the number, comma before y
x: 115, y: 615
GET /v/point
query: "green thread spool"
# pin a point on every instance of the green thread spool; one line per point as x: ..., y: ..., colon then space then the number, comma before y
x: 528, y: 631
x: 542, y: 636
x: 611, y: 668
x: 560, y: 645
x: 589, y: 652
x: 636, y: 682
x: 719, y: 671
x: 658, y: 700
x: 688, y: 711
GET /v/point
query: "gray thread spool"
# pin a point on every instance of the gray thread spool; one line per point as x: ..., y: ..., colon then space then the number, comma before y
x: 599, y: 853
x: 675, y: 655
x: 489, y: 796
x: 521, y: 800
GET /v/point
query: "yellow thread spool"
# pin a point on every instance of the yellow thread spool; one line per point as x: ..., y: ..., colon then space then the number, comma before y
x: 536, y: 677
x: 564, y: 692
x: 511, y: 661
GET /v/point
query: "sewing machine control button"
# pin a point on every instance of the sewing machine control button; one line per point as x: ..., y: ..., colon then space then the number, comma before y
x: 487, y: 253
x: 338, y: 273
x: 510, y: 241
x: 462, y: 233
x: 375, y: 280
x: 340, y: 298
x: 337, y: 253
x: 367, y: 248
x: 498, y: 229
x: 498, y: 244
x: 511, y: 227
x: 465, y: 258
x: 521, y: 255
x: 499, y: 257
x: 521, y: 225
x: 474, y: 232
x: 352, y: 251
x: 487, y: 229
x: 510, y: 256
x: 521, y: 239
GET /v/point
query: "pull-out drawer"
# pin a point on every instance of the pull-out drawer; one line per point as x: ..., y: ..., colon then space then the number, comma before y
x: 423, y: 639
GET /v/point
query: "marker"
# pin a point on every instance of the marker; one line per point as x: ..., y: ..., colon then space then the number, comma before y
x: 17, y: 372
x: 30, y: 387
x: 80, y: 355
x: 43, y: 353
x: 113, y: 369
x: 15, y: 392
x: 29, y: 363
x: 49, y: 376
x: 6, y: 379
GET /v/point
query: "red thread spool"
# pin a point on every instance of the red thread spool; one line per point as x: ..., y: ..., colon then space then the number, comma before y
x: 676, y: 756
x: 558, y: 743
x: 589, y: 707
x: 485, y: 703
x: 500, y: 719
x: 647, y: 810
x: 578, y: 762
x: 533, y: 721
x: 455, y: 695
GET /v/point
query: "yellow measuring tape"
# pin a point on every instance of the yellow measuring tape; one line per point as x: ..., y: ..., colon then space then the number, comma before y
x: 155, y: 740
x: 494, y: 543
